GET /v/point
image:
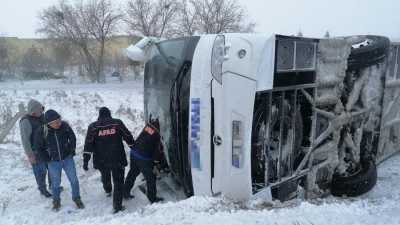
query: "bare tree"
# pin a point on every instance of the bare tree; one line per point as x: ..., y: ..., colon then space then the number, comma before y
x: 101, y: 21
x: 220, y: 16
x: 87, y: 25
x: 151, y: 17
x: 187, y: 20
x: 169, y: 18
x: 64, y: 21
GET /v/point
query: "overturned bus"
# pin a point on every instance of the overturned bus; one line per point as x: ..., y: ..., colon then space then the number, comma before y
x: 250, y: 115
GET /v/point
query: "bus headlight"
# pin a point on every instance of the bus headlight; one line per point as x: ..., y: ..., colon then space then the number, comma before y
x: 218, y: 57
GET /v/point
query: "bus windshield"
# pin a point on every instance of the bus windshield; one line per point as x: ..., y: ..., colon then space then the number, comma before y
x: 166, y: 97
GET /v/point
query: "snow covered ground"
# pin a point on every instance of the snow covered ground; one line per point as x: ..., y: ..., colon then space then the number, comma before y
x: 20, y: 202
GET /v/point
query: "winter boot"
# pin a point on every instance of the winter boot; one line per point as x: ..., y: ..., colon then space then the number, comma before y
x: 108, y: 193
x: 56, y: 205
x: 118, y: 209
x: 79, y: 203
x: 45, y: 193
x: 157, y: 199
x: 128, y: 196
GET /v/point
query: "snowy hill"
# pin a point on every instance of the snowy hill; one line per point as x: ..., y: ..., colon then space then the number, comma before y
x: 20, y: 202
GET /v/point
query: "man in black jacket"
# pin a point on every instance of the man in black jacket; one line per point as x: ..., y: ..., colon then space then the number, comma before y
x: 56, y: 143
x: 104, y: 140
x: 145, y: 151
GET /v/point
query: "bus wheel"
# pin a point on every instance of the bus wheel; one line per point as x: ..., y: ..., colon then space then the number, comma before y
x: 358, y: 183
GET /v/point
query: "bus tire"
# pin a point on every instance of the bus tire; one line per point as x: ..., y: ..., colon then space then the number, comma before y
x: 371, y: 54
x: 356, y: 184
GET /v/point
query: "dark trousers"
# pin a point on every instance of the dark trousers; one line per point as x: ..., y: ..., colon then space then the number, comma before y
x: 146, y: 168
x: 40, y: 172
x: 117, y: 175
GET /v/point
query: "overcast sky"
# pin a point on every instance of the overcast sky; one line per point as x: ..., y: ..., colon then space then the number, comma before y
x: 312, y: 17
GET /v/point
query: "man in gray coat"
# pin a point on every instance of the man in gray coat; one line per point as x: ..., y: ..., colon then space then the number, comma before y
x: 32, y: 121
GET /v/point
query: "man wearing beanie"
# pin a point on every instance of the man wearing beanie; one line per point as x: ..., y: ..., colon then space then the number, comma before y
x: 104, y: 140
x: 57, y: 142
x: 28, y: 125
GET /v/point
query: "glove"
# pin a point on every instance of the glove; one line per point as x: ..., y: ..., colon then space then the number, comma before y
x: 85, y: 167
x: 86, y: 158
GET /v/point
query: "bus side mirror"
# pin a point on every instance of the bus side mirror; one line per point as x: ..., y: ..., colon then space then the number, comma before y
x: 140, y: 51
